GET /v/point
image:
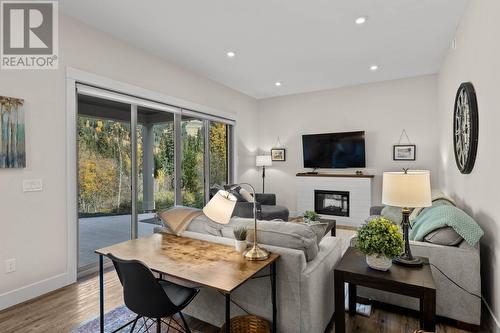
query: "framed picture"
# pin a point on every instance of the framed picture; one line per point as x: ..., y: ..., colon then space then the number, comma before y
x: 404, y: 152
x: 278, y: 154
x: 12, y: 143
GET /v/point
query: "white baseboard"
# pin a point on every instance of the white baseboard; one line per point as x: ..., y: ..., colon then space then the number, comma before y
x: 33, y: 290
x: 492, y: 322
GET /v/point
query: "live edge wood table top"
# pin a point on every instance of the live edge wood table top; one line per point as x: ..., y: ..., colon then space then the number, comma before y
x: 205, y: 263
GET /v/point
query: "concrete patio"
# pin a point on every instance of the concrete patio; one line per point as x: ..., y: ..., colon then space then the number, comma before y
x: 98, y: 232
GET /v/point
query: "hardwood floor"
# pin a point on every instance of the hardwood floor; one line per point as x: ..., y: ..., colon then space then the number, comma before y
x: 62, y: 310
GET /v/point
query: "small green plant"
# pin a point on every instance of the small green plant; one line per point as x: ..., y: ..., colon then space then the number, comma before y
x: 380, y: 237
x: 310, y: 215
x: 240, y: 233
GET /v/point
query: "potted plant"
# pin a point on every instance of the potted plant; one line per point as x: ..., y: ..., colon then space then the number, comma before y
x: 310, y: 216
x: 240, y: 236
x: 381, y: 241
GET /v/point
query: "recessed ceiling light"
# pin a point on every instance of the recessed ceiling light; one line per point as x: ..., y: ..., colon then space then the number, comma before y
x: 230, y: 54
x: 361, y: 20
x: 277, y: 84
x: 373, y: 67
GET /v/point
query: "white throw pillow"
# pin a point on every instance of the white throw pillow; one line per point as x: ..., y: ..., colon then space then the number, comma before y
x: 246, y: 195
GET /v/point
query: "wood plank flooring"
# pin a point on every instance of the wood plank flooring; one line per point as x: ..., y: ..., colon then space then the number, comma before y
x: 62, y: 310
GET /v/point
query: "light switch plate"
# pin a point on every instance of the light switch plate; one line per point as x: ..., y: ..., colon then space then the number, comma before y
x: 32, y: 185
x: 10, y: 265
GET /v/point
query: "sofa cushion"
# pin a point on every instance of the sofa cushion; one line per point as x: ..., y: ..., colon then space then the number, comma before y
x: 444, y: 236
x: 203, y: 225
x: 395, y: 214
x: 274, y: 212
x: 297, y: 236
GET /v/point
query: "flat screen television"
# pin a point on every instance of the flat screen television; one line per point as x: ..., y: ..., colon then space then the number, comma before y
x: 334, y: 150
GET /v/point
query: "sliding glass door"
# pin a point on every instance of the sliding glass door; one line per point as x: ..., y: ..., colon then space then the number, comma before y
x: 104, y: 175
x: 155, y: 166
x: 193, y: 162
x: 136, y: 158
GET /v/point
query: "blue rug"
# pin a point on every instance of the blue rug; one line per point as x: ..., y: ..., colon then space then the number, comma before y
x: 119, y: 317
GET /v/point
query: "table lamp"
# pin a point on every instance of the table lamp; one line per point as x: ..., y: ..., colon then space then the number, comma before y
x: 220, y: 209
x: 407, y: 189
x: 263, y: 161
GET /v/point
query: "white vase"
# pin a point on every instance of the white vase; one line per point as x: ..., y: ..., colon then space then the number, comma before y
x: 240, y: 245
x: 379, y: 262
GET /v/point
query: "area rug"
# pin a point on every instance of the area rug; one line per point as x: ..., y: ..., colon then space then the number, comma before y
x: 117, y: 318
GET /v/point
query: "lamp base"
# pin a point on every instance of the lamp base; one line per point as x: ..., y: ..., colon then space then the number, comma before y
x: 405, y: 261
x: 256, y: 253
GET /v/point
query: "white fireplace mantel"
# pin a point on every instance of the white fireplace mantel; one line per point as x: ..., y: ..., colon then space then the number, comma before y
x: 358, y: 186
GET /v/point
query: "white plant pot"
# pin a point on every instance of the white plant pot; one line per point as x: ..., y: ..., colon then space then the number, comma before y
x: 379, y: 262
x: 240, y: 245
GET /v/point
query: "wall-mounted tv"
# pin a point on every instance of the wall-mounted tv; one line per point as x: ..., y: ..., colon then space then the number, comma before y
x: 334, y: 150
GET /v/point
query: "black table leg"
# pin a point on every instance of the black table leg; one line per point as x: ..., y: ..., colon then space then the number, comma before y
x: 273, y: 295
x: 428, y: 310
x: 339, y: 303
x: 101, y: 293
x: 228, y: 313
x: 352, y: 299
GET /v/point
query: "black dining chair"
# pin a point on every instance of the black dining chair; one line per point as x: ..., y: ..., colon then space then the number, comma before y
x: 149, y: 297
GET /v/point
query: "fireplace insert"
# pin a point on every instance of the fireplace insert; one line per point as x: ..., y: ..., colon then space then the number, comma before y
x: 334, y: 203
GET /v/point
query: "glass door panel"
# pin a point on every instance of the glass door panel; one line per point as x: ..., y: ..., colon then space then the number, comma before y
x: 219, y: 163
x: 193, y: 162
x: 155, y: 165
x: 104, y: 176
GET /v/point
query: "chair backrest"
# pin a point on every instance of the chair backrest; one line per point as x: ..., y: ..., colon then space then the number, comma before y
x: 142, y: 292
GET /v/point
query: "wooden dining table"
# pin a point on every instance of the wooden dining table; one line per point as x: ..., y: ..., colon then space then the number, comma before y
x: 194, y: 261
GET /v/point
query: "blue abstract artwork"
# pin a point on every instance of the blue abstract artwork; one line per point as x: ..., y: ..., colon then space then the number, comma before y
x: 12, y: 136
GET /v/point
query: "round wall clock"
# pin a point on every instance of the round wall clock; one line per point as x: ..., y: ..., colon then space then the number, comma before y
x: 465, y: 127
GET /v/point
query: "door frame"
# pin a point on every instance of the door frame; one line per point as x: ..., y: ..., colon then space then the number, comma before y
x: 74, y: 76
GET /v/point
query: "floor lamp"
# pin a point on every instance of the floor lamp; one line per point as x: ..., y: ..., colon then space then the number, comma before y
x: 263, y: 161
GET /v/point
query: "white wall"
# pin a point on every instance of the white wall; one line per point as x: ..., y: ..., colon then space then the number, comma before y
x: 476, y: 59
x: 33, y: 225
x: 381, y: 109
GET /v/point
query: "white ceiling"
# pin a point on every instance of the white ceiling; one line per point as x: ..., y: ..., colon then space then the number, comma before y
x: 306, y: 44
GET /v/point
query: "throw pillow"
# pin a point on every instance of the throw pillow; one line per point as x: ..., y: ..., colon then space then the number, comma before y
x: 444, y: 236
x: 246, y: 195
x: 236, y: 192
x: 321, y: 229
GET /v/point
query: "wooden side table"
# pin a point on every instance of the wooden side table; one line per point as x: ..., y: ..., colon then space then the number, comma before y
x: 413, y: 282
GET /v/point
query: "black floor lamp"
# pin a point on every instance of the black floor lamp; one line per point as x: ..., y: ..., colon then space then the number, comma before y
x: 263, y: 161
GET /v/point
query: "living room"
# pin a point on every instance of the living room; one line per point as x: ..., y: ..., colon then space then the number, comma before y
x: 268, y: 74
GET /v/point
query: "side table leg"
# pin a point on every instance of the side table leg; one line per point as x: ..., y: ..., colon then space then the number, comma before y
x: 428, y: 310
x: 228, y: 313
x: 339, y: 303
x: 352, y: 299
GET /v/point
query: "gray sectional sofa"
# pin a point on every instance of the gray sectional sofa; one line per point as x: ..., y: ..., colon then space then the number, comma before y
x: 456, y: 272
x: 304, y: 276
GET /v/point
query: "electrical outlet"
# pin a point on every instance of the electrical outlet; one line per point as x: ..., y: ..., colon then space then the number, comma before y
x: 10, y: 265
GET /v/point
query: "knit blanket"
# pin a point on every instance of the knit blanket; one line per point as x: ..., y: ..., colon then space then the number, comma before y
x: 443, y: 215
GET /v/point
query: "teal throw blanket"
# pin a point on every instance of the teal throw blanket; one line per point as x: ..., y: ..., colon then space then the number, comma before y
x: 441, y: 216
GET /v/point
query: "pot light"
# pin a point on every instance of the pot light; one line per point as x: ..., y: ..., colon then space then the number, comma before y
x: 361, y: 20
x: 277, y: 84
x: 373, y: 67
x: 231, y: 54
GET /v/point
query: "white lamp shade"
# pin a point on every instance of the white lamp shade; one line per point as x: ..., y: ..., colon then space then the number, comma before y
x: 409, y: 190
x: 220, y: 207
x: 263, y: 160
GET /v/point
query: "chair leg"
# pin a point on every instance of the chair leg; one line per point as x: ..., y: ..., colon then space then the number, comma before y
x: 135, y: 323
x: 184, y: 322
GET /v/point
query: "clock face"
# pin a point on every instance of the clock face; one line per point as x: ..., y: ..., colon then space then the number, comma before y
x: 465, y: 127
